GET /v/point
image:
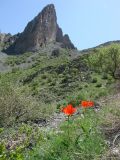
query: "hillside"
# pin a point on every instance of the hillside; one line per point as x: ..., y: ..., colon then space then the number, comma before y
x: 37, y: 81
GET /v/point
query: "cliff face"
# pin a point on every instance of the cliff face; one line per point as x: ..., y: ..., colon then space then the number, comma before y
x: 43, y: 29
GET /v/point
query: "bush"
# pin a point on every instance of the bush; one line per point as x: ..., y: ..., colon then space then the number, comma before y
x: 80, y: 88
x: 94, y: 80
x: 99, y: 85
x: 16, y: 107
x: 11, y: 106
x: 86, y: 85
x: 102, y: 93
x: 43, y: 76
x: 104, y: 76
x: 15, y: 70
x: 19, y: 140
x: 49, y: 80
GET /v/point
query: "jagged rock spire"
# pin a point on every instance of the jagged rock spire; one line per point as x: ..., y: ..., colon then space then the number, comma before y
x: 43, y: 29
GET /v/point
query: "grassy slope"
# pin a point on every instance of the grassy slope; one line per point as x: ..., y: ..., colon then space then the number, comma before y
x: 88, y: 138
x: 50, y: 82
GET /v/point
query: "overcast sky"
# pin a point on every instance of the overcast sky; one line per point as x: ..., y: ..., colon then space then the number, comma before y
x: 88, y: 22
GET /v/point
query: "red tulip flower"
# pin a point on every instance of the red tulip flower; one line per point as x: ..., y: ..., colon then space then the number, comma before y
x: 87, y: 104
x: 69, y: 110
x: 84, y: 104
x: 90, y: 103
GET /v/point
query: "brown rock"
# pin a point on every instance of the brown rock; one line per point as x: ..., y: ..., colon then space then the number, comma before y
x: 7, y: 40
x: 59, y: 35
x: 42, y: 30
x: 67, y: 42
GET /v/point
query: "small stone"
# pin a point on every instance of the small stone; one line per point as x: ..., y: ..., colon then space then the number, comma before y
x: 116, y: 151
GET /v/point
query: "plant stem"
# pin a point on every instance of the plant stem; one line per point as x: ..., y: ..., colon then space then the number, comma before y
x: 68, y: 127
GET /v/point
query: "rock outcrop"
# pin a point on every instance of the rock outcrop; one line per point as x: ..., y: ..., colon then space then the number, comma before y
x: 42, y: 30
x: 4, y: 37
x: 7, y: 40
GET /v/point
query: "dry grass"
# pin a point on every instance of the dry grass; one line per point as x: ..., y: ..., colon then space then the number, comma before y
x: 110, y: 122
x: 16, y: 107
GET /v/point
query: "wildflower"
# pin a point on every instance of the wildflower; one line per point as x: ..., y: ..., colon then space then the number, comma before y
x: 84, y: 104
x: 90, y: 103
x: 87, y: 104
x: 69, y: 110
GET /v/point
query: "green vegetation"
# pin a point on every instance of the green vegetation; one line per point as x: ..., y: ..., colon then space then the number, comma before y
x: 79, y: 144
x: 16, y: 107
x: 30, y: 142
x: 106, y: 60
x: 17, y: 60
x: 31, y: 94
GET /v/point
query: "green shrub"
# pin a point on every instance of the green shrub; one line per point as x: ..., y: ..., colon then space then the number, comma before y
x: 43, y: 76
x: 16, y: 107
x: 94, y: 80
x: 102, y: 93
x: 99, y: 85
x: 104, y: 76
x: 19, y: 140
x: 14, y: 70
x: 11, y: 107
x: 80, y: 88
x: 52, y: 84
x: 86, y: 85
x: 49, y: 80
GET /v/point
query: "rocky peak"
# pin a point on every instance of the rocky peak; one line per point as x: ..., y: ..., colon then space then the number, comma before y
x: 39, y: 32
x: 42, y: 27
